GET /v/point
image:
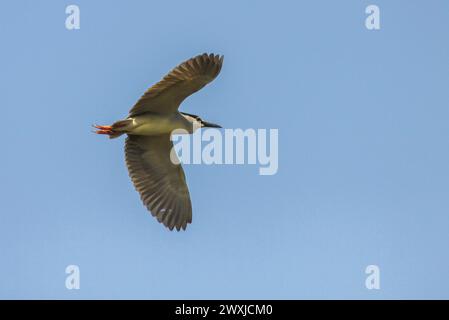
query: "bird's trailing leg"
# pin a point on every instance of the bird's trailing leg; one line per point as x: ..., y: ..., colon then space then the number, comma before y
x: 103, y: 129
x: 113, y: 131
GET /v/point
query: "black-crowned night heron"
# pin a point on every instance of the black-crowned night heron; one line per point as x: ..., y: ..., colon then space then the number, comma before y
x: 159, y: 180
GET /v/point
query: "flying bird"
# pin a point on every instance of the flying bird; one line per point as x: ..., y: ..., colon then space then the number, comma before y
x: 159, y: 180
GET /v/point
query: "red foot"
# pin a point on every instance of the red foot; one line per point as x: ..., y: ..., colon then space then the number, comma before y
x: 104, y: 130
x: 103, y: 127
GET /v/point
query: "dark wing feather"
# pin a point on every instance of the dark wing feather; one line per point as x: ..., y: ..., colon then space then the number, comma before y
x: 184, y: 80
x: 161, y: 183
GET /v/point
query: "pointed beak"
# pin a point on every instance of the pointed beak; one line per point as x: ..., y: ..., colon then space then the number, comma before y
x: 210, y: 125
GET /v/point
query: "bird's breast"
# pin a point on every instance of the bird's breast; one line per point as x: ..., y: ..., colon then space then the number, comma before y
x: 156, y: 124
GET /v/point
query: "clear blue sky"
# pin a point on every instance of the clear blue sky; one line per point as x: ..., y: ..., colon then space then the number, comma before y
x: 363, y: 119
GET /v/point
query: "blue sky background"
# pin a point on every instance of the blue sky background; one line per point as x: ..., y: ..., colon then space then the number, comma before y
x: 363, y: 119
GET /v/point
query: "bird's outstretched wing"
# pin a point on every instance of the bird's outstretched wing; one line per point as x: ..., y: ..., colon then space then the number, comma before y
x: 160, y: 182
x: 187, y: 78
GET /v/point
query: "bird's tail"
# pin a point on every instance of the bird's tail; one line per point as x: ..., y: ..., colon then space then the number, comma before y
x: 115, y: 130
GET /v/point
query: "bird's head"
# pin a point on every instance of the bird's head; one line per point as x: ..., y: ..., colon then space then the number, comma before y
x: 197, y: 122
